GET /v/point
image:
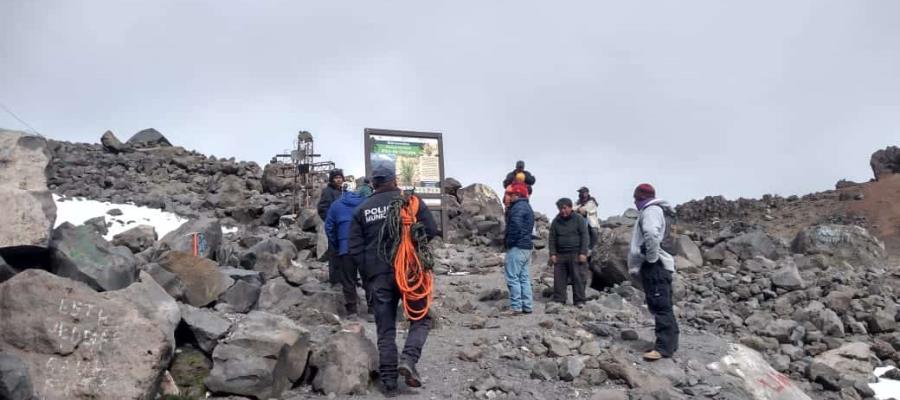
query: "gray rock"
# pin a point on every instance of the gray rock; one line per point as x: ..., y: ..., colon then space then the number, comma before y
x: 153, y: 303
x: 881, y: 321
x: 80, y: 253
x: 207, y: 326
x: 570, y: 368
x: 243, y: 295
x: 181, y: 239
x: 686, y: 248
x: 849, y: 243
x: 557, y: 347
x: 137, y: 239
x: 749, y: 373
x: 752, y: 244
x: 885, y: 162
x: 788, y: 277
x: 148, y: 138
x: 850, y: 363
x: 269, y: 257
x: 203, y: 282
x: 839, y: 300
x: 345, y: 363
x: 264, y: 355
x: 15, y: 381
x: 545, y: 370
x: 76, y: 340
x: 99, y: 224
x: 29, y: 211
x: 167, y: 280
x: 610, y: 394
x: 112, y: 144
x: 6, y: 271
x: 278, y: 177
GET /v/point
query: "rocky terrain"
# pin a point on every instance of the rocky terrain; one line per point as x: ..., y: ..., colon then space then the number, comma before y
x: 778, y: 298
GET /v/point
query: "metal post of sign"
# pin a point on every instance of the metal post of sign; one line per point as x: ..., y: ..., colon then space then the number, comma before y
x: 415, y: 156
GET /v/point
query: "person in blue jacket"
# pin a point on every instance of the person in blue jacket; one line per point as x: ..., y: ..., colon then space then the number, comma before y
x: 519, y: 225
x: 337, y: 227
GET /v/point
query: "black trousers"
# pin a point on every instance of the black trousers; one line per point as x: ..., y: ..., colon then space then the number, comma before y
x: 567, y: 267
x: 593, y: 234
x: 348, y: 278
x: 334, y: 275
x: 657, y: 283
x: 386, y: 297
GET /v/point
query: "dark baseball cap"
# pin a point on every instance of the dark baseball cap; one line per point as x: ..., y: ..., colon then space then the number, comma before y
x: 584, y: 189
x: 382, y: 173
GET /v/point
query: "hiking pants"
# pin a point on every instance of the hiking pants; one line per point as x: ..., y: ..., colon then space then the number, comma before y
x: 657, y: 283
x: 334, y: 273
x: 386, y: 296
x: 567, y: 267
x: 518, y: 280
x: 347, y: 275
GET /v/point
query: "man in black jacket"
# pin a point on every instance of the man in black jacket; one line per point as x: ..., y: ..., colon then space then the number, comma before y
x: 568, y: 253
x: 519, y: 225
x: 367, y: 251
x: 511, y: 176
x: 330, y: 193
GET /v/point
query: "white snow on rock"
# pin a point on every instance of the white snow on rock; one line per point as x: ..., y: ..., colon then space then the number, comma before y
x: 78, y: 210
x: 885, y: 388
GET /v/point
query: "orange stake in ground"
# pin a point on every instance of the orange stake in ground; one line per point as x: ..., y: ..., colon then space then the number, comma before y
x: 414, y: 281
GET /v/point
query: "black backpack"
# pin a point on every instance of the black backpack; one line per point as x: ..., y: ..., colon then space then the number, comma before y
x: 667, y: 243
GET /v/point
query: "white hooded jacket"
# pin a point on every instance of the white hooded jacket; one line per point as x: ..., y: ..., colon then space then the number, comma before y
x: 648, y: 233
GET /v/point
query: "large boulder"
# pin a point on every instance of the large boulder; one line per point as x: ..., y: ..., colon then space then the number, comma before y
x: 206, y: 326
x: 152, y: 301
x: 885, y: 162
x: 685, y: 247
x: 842, y: 367
x: 15, y: 381
x: 182, y: 239
x: 480, y: 199
x: 202, y: 281
x: 77, y: 343
x: 849, y: 243
x: 610, y: 262
x: 269, y: 257
x: 80, y: 253
x: 278, y: 177
x: 227, y: 191
x: 753, y: 377
x: 263, y: 356
x: 112, y: 144
x: 148, y: 138
x: 345, y: 364
x: 137, y: 239
x: 243, y: 295
x: 753, y: 244
x: 29, y: 211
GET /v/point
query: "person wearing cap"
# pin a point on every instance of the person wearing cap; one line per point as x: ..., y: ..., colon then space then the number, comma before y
x: 519, y: 225
x: 655, y: 268
x: 520, y: 168
x: 516, y: 186
x: 368, y: 250
x: 331, y: 192
x: 568, y: 243
x: 364, y: 189
x: 337, y: 229
x: 586, y: 206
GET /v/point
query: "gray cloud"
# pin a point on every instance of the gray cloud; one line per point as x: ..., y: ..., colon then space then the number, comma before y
x: 697, y: 98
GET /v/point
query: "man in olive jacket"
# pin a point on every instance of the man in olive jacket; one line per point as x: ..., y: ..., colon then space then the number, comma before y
x: 568, y: 253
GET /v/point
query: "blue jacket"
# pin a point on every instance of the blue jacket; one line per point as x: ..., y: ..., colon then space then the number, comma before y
x: 337, y: 220
x: 519, y: 225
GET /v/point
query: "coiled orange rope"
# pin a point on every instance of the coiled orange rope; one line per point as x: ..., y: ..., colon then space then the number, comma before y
x: 413, y: 279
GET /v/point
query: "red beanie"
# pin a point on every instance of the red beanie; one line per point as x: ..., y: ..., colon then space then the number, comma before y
x: 644, y: 191
x: 518, y: 189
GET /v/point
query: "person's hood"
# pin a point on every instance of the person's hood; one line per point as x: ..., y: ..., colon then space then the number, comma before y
x: 351, y: 199
x: 662, y: 203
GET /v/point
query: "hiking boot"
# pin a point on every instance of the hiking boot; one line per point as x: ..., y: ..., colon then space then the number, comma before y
x: 390, y: 391
x: 527, y: 311
x: 408, y: 372
x: 652, y: 355
x: 510, y: 313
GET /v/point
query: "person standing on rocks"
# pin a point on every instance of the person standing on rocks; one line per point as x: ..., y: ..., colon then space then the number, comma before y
x: 568, y: 253
x: 368, y: 249
x: 337, y: 228
x: 655, y: 268
x: 519, y: 225
x: 331, y: 192
x: 587, y: 208
x: 520, y: 168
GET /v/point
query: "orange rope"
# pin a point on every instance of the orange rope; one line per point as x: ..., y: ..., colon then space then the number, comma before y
x: 414, y: 281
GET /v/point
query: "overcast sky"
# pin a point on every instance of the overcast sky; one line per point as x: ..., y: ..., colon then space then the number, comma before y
x: 698, y: 98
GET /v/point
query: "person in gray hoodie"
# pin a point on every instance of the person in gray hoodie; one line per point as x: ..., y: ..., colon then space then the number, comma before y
x: 655, y: 269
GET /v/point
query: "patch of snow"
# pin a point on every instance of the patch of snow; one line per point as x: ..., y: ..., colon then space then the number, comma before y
x: 78, y: 210
x: 885, y: 388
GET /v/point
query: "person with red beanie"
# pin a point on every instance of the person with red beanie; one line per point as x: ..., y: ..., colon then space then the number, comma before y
x: 655, y: 268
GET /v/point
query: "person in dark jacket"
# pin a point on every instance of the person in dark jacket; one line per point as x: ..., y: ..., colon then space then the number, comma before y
x: 337, y: 228
x: 511, y: 176
x: 330, y: 193
x: 364, y: 189
x: 367, y: 251
x: 568, y: 253
x: 519, y: 225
